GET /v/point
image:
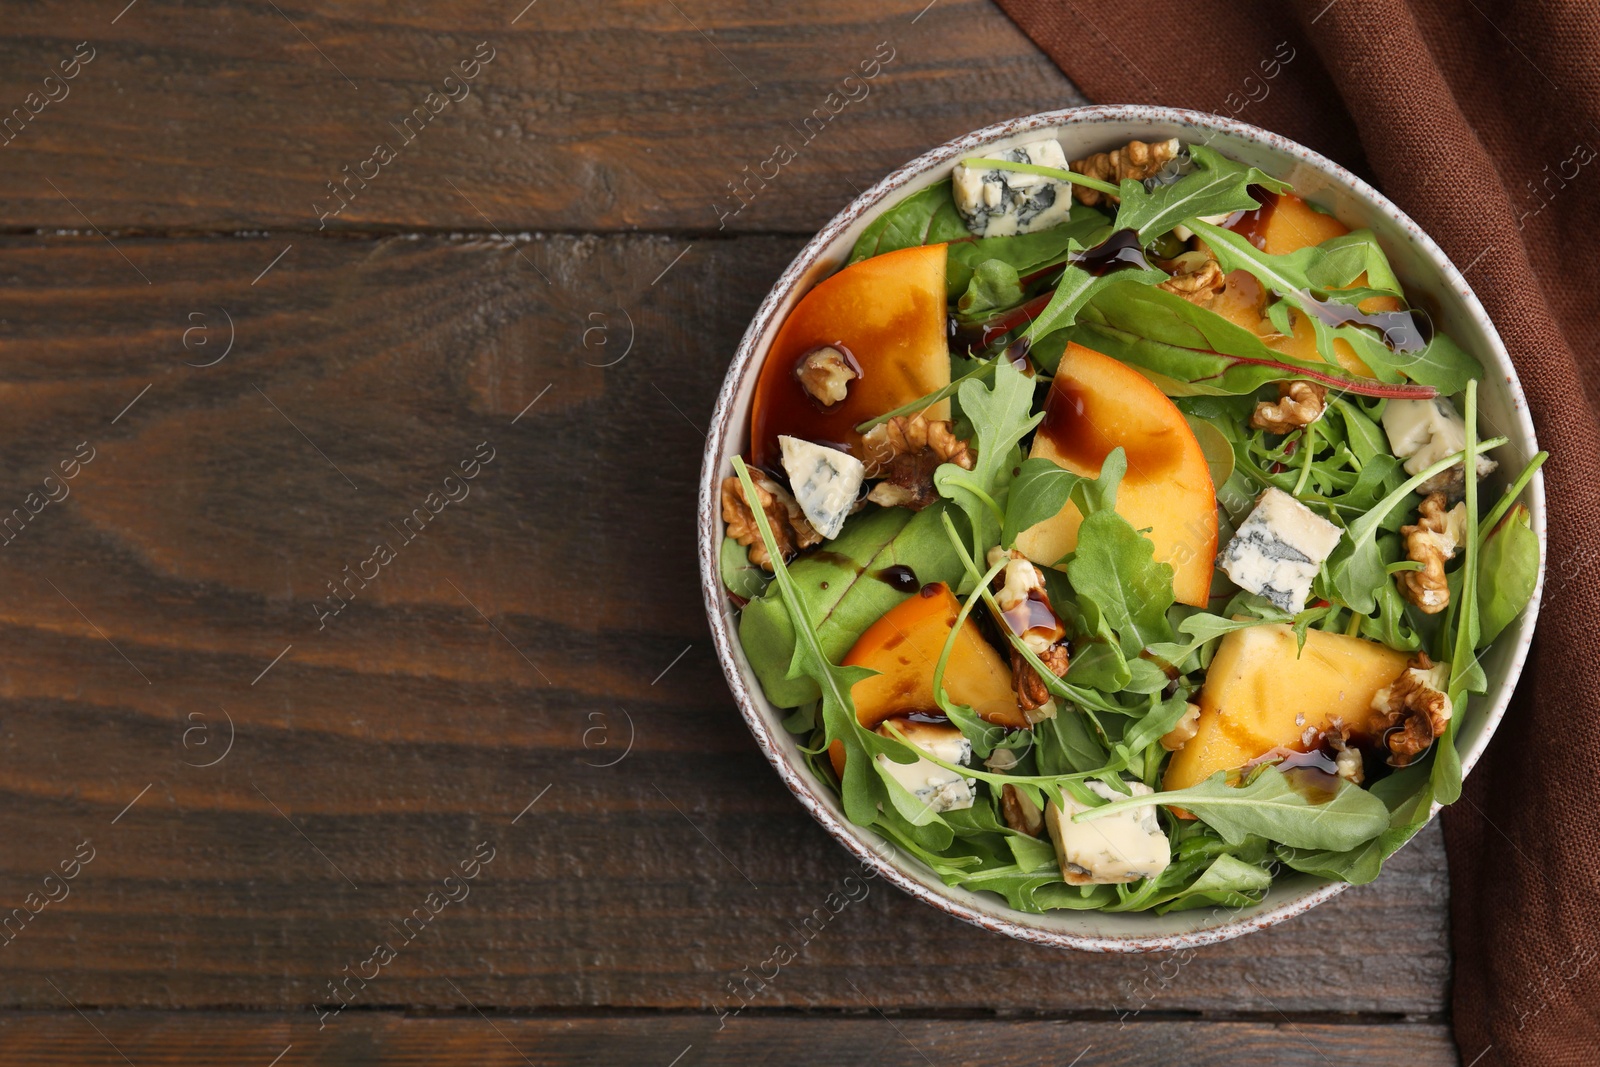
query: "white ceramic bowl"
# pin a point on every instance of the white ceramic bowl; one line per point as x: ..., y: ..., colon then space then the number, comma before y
x: 1421, y: 266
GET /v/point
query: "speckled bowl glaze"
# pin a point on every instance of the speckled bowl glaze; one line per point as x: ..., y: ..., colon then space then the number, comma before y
x: 1424, y: 270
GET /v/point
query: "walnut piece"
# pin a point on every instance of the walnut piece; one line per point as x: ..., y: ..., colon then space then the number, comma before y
x: 790, y: 529
x: 1136, y: 160
x: 1346, y: 756
x: 1452, y: 481
x: 1300, y: 403
x: 1020, y: 812
x: 1184, y: 732
x: 1025, y: 610
x: 904, y: 452
x: 1416, y: 707
x: 1431, y: 542
x: 1032, y: 694
x: 826, y: 374
x: 1196, y: 276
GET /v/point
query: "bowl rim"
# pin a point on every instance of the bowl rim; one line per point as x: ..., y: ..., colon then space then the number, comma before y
x: 726, y: 418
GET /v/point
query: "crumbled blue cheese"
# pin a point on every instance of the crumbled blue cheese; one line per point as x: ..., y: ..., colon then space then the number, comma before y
x: 1000, y: 203
x: 1124, y: 847
x: 825, y: 480
x: 1277, y: 551
x: 1422, y: 432
x: 933, y: 785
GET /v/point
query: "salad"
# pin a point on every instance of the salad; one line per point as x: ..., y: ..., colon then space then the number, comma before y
x: 1114, y: 531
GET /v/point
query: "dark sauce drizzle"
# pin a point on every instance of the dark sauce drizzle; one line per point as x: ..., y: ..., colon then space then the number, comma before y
x: 1121, y: 251
x: 899, y: 577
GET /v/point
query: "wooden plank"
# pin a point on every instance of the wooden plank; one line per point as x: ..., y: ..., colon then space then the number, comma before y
x: 554, y: 608
x: 238, y: 116
x: 869, y: 1040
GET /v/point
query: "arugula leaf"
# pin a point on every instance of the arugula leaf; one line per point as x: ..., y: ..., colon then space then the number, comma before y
x: 1216, y: 446
x: 1465, y: 672
x: 1348, y: 257
x: 1514, y: 490
x: 1407, y: 796
x: 739, y: 576
x: 1075, y: 289
x: 1229, y: 882
x: 1356, y: 569
x: 994, y: 284
x: 1201, y: 628
x: 841, y: 593
x: 1365, y: 438
x: 926, y: 217
x: 1216, y: 186
x: 1510, y: 570
x: 1191, y: 350
x: 1000, y: 417
x: 1441, y: 364
x: 1038, y: 492
x: 1146, y: 731
x: 1066, y: 745
x: 1097, y: 659
x: 833, y: 683
x: 1271, y: 807
x: 1391, y: 625
x: 1114, y: 568
x: 1027, y: 252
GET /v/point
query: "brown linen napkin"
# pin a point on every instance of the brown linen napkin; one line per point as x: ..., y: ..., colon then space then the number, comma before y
x: 1479, y: 118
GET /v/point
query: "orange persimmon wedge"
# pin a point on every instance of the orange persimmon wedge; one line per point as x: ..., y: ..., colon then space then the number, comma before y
x: 1097, y: 404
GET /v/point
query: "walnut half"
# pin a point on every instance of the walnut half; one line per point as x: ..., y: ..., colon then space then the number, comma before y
x: 826, y: 374
x: 1431, y: 542
x: 1417, y: 709
x: 1196, y: 276
x: 904, y: 452
x: 1136, y: 160
x: 1020, y: 812
x: 790, y: 529
x: 1184, y: 732
x: 1300, y: 403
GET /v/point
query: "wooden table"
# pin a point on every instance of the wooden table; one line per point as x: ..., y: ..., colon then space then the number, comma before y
x: 374, y: 564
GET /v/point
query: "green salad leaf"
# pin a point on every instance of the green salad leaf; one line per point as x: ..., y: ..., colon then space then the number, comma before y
x: 1191, y: 350
x: 843, y: 593
x: 926, y: 217
x: 739, y: 576
x: 1509, y: 572
x: 1407, y: 795
x: 1038, y: 492
x: 1000, y: 417
x: 1466, y: 674
x: 1270, y: 806
x: 1357, y: 568
x: 1027, y: 253
x: 1114, y: 567
x: 1216, y: 186
x: 993, y: 285
x: 1441, y: 363
x: 833, y: 683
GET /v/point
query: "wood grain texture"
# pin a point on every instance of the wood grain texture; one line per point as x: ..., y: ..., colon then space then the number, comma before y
x: 231, y: 115
x: 501, y: 657
x: 868, y: 1040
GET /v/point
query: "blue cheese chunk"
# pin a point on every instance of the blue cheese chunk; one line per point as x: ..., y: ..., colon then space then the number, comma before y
x: 1277, y: 551
x: 1422, y: 432
x: 825, y: 480
x: 1124, y: 847
x: 940, y: 789
x: 1000, y: 203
